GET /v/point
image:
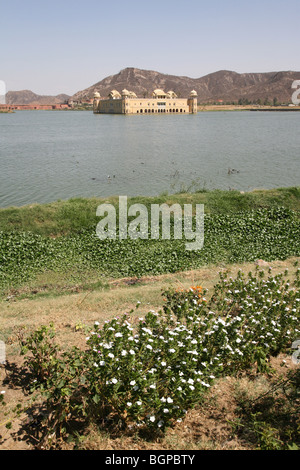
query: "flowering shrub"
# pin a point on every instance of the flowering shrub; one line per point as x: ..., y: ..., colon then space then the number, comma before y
x: 153, y: 375
x: 149, y: 371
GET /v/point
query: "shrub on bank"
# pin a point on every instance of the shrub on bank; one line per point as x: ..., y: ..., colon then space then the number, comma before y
x: 148, y: 372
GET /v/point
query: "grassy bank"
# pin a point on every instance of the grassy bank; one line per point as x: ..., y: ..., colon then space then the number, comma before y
x: 65, y: 217
x: 53, y: 269
x: 55, y: 245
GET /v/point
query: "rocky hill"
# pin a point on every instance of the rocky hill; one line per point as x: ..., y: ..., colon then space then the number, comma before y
x: 28, y: 97
x: 222, y: 85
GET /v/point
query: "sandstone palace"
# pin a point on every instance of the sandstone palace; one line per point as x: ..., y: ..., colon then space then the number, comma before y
x: 128, y: 103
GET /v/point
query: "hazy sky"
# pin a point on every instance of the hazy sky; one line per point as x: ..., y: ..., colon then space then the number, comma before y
x: 64, y: 46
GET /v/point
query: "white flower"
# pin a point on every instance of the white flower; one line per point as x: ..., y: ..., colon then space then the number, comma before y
x: 139, y: 403
x: 149, y: 346
x: 152, y: 419
x: 129, y: 403
x: 102, y: 363
x: 205, y: 384
x: 96, y: 323
x: 160, y: 423
x: 2, y: 392
x: 118, y: 335
x: 169, y: 400
x: 163, y: 363
x: 132, y: 351
x: 124, y: 352
x: 114, y: 381
x: 133, y: 382
x: 111, y: 355
x: 147, y: 330
x: 171, y: 350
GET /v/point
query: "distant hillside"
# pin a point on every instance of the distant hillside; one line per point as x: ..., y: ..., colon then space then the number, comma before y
x: 222, y: 85
x: 28, y: 97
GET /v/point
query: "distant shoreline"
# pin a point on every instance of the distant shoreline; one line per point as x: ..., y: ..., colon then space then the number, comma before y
x: 224, y: 107
x: 201, y: 108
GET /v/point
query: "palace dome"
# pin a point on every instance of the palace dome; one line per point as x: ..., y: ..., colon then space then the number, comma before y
x: 114, y: 94
x: 158, y: 91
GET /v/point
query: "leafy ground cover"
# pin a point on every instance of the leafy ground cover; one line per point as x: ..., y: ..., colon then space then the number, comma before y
x: 231, y: 238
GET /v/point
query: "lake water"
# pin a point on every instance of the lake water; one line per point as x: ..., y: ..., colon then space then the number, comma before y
x: 51, y: 155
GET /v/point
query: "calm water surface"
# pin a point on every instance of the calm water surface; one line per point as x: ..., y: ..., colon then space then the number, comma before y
x: 50, y: 155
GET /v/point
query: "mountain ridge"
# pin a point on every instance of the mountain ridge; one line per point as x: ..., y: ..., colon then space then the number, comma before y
x: 28, y: 97
x: 223, y: 85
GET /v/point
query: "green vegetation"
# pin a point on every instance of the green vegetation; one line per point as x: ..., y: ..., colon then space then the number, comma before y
x: 202, y: 370
x: 61, y: 237
x: 66, y: 217
x: 146, y: 374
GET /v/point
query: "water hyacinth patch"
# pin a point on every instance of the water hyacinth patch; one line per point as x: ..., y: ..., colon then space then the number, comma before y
x: 232, y: 238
